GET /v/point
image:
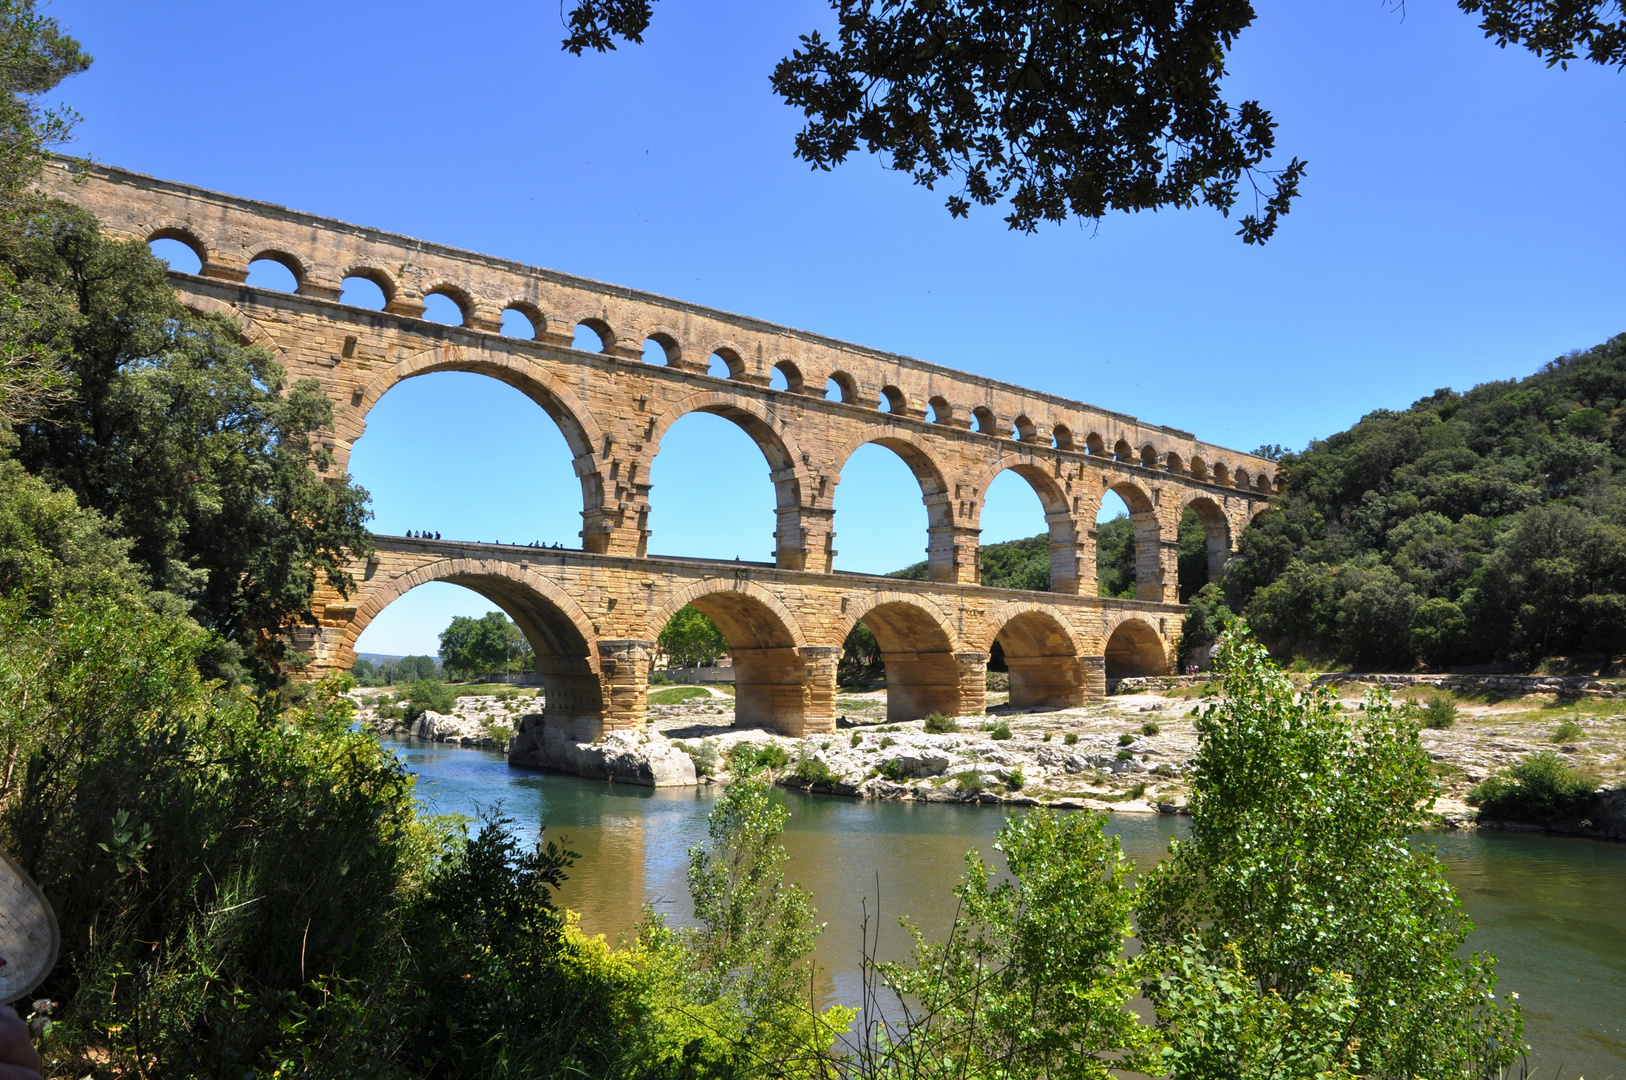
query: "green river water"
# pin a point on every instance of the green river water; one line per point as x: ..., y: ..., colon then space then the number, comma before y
x: 1553, y: 909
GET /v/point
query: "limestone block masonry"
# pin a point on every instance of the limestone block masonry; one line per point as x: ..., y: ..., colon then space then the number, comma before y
x: 592, y: 614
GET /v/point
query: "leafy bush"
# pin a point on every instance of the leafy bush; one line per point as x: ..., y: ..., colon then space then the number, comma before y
x: 886, y: 741
x: 1543, y: 789
x: 893, y: 770
x: 1071, y: 739
x: 1149, y: 728
x: 1001, y: 730
x: 856, y: 741
x: 1438, y: 712
x: 429, y: 695
x: 1014, y: 779
x: 1126, y: 740
x: 938, y: 724
x: 811, y: 770
x: 1299, y: 867
x: 704, y: 755
x: 745, y: 759
x: 1567, y: 731
x: 1123, y: 755
x: 968, y: 781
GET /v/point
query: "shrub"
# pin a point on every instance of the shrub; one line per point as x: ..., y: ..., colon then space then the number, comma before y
x: 1149, y: 728
x: 1126, y: 740
x: 429, y: 695
x: 704, y: 755
x: 969, y: 781
x: 1014, y: 779
x: 1045, y: 737
x: 811, y: 770
x: 1001, y: 730
x: 1543, y: 789
x: 1137, y: 789
x: 1299, y: 866
x: 938, y: 724
x: 660, y: 678
x: 1124, y: 755
x: 1439, y: 712
x: 1567, y: 731
x: 893, y: 770
x: 772, y: 756
x: 856, y: 741
x: 886, y: 741
x: 1071, y: 739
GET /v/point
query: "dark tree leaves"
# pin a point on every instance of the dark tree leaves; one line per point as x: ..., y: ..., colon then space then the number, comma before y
x: 595, y: 24
x: 1556, y: 30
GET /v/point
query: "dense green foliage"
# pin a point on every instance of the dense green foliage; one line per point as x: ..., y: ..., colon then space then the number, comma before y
x: 405, y: 669
x: 1543, y: 789
x: 1483, y: 526
x: 1299, y: 864
x: 690, y: 639
x: 471, y: 647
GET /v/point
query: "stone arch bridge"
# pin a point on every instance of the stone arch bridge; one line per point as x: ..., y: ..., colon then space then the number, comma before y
x: 592, y: 614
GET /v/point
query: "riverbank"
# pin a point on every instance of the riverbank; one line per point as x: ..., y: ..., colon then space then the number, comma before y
x: 1127, y: 754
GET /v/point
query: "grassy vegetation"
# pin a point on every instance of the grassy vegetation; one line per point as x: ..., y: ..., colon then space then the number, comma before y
x: 674, y: 694
x: 1543, y: 789
x: 496, y: 689
x: 938, y: 724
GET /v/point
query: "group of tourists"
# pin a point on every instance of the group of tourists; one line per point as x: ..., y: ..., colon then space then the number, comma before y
x: 426, y: 534
x: 422, y: 535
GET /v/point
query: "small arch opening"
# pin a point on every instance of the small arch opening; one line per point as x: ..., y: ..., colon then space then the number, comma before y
x: 1094, y: 444
x: 984, y: 418
x: 942, y: 411
x: 275, y: 271
x: 363, y: 292
x: 1261, y: 483
x: 442, y: 307
x: 1171, y: 463
x: 517, y: 324
x: 1022, y: 430
x: 1148, y: 456
x: 1199, y: 469
x: 586, y: 337
x: 178, y: 254
x: 840, y: 387
x: 786, y: 376
x: 1222, y: 474
x: 725, y: 364
x: 1122, y: 451
x: 1241, y: 479
x: 892, y: 400
x: 661, y: 349
x: 1061, y: 437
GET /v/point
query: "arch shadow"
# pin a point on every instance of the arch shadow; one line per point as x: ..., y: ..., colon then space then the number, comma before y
x: 1134, y: 648
x: 1042, y: 655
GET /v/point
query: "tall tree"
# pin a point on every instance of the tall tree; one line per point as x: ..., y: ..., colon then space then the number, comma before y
x: 1071, y: 108
x: 689, y: 638
x: 189, y: 440
x: 472, y: 647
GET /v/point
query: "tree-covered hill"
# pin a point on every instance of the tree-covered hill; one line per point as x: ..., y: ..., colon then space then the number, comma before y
x: 1469, y: 528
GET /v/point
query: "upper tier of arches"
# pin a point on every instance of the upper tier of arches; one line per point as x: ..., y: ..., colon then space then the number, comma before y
x: 228, y: 233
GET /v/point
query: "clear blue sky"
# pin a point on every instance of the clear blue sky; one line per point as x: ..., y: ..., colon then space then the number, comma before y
x: 1462, y: 220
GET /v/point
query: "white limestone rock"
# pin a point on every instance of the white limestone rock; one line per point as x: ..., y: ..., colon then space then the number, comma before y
x: 625, y: 757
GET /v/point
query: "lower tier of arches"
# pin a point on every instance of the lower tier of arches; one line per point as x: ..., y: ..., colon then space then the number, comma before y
x: 592, y: 622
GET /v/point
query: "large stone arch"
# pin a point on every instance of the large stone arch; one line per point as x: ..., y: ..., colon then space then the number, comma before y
x: 763, y: 426
x: 1154, y: 566
x: 1216, y: 528
x: 584, y: 437
x: 1134, y: 646
x: 562, y: 636
x: 252, y: 330
x: 926, y: 671
x: 765, y: 642
x: 1069, y: 566
x: 951, y: 547
x: 1044, y: 655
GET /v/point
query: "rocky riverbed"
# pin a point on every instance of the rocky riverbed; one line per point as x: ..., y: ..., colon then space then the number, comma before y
x: 1129, y: 753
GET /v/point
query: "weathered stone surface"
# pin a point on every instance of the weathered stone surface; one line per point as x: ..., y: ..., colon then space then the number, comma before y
x: 592, y: 614
x: 625, y: 757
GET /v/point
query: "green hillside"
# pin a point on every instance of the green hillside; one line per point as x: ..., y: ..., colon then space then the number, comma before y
x: 1469, y: 528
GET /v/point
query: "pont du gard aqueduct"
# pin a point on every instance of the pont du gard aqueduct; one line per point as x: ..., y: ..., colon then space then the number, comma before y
x: 592, y: 614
